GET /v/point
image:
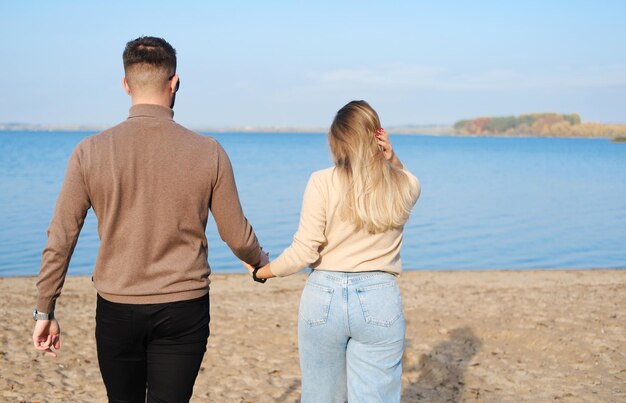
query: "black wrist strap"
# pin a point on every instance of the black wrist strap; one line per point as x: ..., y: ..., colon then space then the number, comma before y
x: 255, y: 278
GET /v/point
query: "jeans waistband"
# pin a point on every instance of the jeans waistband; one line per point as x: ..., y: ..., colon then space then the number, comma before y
x: 345, y: 278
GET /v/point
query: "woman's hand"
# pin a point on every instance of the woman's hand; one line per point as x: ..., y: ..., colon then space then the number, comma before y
x: 382, y: 138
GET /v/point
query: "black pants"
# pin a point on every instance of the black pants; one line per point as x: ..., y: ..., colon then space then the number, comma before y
x: 158, y: 347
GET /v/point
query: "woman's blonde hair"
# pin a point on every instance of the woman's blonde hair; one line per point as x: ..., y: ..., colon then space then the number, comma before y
x: 378, y: 196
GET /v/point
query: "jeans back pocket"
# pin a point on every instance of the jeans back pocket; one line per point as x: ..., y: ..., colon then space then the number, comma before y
x: 381, y: 303
x: 315, y: 304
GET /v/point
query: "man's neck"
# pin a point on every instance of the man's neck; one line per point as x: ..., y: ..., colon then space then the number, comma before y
x: 162, y: 101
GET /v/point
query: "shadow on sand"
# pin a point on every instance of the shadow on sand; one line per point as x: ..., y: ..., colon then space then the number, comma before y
x: 442, y: 370
x: 290, y: 394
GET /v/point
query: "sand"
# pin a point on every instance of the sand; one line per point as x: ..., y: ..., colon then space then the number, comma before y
x: 493, y: 336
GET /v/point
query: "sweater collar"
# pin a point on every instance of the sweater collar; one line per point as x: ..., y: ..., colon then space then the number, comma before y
x: 151, y: 110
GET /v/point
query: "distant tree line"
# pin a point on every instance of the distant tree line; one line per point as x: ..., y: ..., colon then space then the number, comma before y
x: 543, y: 124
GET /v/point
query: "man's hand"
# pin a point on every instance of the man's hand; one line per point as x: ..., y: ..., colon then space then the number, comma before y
x: 248, y: 267
x: 47, y: 335
x: 264, y: 260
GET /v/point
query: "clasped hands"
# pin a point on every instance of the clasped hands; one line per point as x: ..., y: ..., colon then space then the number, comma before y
x: 264, y: 261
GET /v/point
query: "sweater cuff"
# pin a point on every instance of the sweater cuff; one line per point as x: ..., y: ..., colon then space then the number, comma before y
x: 255, y: 257
x: 46, y: 305
x: 280, y: 268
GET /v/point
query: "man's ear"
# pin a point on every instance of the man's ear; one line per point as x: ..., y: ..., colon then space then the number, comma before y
x: 126, y: 86
x: 174, y: 83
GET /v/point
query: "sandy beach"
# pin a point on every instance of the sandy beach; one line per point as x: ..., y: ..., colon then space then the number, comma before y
x: 492, y: 336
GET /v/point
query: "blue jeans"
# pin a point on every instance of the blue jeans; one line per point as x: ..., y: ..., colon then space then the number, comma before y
x: 351, y: 337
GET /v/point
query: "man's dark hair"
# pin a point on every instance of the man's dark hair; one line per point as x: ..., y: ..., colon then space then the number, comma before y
x: 150, y: 51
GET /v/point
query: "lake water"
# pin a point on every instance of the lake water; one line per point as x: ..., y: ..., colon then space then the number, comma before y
x: 487, y: 203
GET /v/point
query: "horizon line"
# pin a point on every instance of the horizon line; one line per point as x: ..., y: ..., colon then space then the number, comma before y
x: 14, y: 126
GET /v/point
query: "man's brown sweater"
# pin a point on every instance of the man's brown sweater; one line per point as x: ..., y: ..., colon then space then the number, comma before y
x: 151, y: 184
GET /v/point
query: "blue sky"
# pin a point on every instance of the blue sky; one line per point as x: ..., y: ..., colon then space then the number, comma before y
x: 295, y: 63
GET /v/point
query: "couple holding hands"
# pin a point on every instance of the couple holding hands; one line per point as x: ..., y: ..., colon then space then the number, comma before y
x: 152, y: 183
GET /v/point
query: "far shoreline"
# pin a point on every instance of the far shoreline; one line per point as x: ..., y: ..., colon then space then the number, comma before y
x: 303, y: 131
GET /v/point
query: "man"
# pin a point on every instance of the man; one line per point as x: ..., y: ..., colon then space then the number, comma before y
x: 151, y: 183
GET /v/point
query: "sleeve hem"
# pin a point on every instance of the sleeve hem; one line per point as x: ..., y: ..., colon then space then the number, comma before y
x: 46, y: 305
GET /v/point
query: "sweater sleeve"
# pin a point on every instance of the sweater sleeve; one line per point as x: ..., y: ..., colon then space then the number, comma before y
x: 69, y: 215
x: 232, y: 225
x: 310, y: 237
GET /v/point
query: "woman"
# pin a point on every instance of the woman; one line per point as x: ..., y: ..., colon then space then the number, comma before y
x: 351, y: 326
